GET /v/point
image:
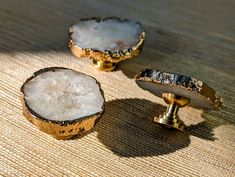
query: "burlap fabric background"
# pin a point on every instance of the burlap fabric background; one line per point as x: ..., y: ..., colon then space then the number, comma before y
x: 190, y: 37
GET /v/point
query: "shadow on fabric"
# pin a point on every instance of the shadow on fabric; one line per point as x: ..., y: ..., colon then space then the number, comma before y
x: 127, y: 130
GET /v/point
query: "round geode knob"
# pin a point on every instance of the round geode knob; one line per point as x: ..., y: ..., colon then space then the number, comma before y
x: 177, y: 91
x: 62, y: 102
x: 106, y: 41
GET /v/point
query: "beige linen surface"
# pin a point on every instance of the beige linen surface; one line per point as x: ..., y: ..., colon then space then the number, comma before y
x: 195, y: 38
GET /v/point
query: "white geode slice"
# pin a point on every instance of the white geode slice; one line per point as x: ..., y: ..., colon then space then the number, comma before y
x: 63, y: 95
x: 62, y: 102
x: 109, y: 34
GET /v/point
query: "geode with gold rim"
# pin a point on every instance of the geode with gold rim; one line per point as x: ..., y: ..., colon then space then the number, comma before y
x: 200, y: 94
x: 62, y: 102
x: 106, y: 40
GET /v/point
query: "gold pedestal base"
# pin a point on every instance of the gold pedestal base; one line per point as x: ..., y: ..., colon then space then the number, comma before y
x: 169, y: 122
x: 104, y: 65
x: 170, y: 118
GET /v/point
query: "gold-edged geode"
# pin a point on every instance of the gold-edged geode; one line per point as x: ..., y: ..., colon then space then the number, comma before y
x: 200, y: 94
x: 56, y: 100
x: 107, y: 41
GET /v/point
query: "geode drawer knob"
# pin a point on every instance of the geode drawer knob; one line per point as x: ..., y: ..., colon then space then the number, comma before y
x: 177, y: 91
x: 106, y: 41
x: 62, y: 102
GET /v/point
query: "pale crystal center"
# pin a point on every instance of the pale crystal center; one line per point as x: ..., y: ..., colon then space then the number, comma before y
x: 63, y: 95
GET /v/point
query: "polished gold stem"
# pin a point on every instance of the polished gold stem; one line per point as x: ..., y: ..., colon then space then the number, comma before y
x: 172, y: 111
x: 104, y: 65
x: 170, y: 118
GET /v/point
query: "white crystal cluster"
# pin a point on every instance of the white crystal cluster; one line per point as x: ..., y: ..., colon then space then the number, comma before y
x: 63, y: 95
x: 110, y: 34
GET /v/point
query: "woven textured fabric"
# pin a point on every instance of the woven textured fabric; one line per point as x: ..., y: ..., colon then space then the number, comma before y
x: 194, y: 38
